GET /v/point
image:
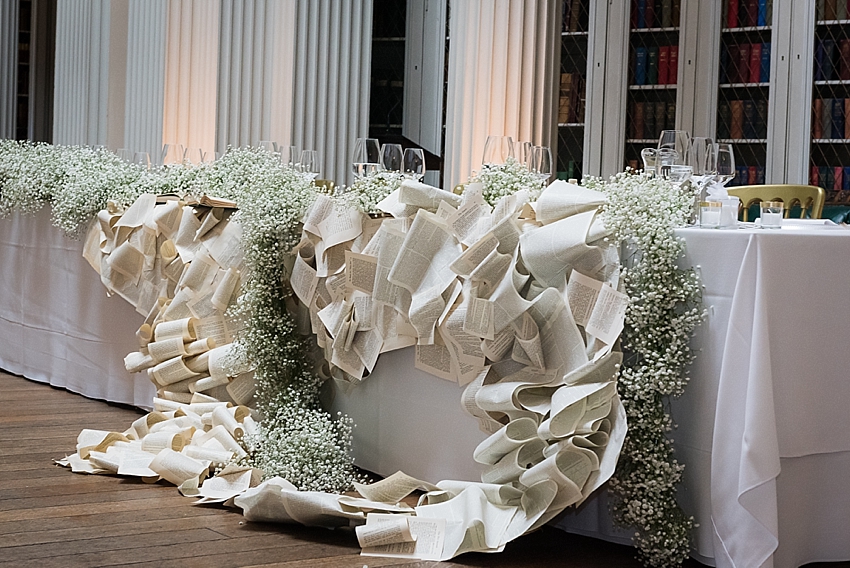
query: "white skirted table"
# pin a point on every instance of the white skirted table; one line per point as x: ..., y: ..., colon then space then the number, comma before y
x: 763, y: 427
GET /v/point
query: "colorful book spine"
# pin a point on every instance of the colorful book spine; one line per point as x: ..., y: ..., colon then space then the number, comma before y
x: 814, y: 178
x: 640, y: 64
x: 845, y: 179
x: 652, y: 65
x: 723, y: 121
x: 818, y: 59
x: 641, y: 14
x: 663, y: 64
x: 660, y: 118
x: 650, y: 13
x: 761, y: 119
x: 764, y: 73
x: 749, y: 119
x: 829, y: 10
x: 826, y: 118
x: 677, y: 11
x: 752, y: 175
x: 846, y: 118
x: 844, y: 60
x: 817, y: 122
x: 639, y: 121
x: 752, y: 12
x: 827, y: 177
x: 732, y: 14
x: 673, y: 69
x: 760, y: 174
x: 736, y: 126
x: 741, y: 175
x: 755, y: 63
x: 732, y: 64
x: 671, y: 117
x: 649, y: 129
x: 837, y: 178
x: 666, y: 13
x: 838, y: 118
x: 743, y: 62
x: 827, y: 65
x: 762, y: 9
x: 575, y: 14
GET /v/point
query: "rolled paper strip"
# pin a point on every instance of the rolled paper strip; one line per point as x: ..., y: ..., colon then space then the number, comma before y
x: 181, y: 397
x: 206, y: 384
x: 176, y: 467
x: 224, y: 292
x: 158, y: 441
x: 208, y: 454
x: 223, y: 437
x: 221, y: 416
x: 240, y: 413
x: 199, y: 363
x: 509, y: 437
x: 184, y: 328
x: 164, y: 405
x: 144, y: 334
x: 249, y: 425
x: 569, y: 469
x: 136, y: 361
x: 201, y: 408
x: 105, y: 461
x: 513, y: 464
x: 168, y: 252
x: 142, y: 426
x: 200, y: 346
x: 171, y: 371
x: 167, y: 349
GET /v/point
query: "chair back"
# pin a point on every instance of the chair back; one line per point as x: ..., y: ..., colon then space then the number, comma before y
x: 809, y: 198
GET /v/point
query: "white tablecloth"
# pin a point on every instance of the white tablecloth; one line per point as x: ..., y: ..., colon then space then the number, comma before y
x: 764, y: 429
x: 56, y: 323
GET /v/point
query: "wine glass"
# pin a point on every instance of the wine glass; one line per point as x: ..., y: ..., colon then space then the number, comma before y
x: 391, y: 156
x: 725, y: 163
x: 193, y: 156
x: 172, y: 154
x: 541, y: 162
x: 702, y: 156
x: 143, y: 159
x: 498, y: 149
x: 524, y: 153
x: 414, y: 163
x: 678, y: 141
x: 268, y: 146
x: 125, y: 154
x: 309, y: 162
x: 367, y: 157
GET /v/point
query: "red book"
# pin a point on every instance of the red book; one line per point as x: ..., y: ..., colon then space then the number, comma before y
x: 751, y: 176
x: 755, y: 62
x: 752, y: 12
x: 817, y: 120
x: 813, y: 176
x: 846, y: 117
x: 839, y: 178
x: 673, y: 66
x: 649, y: 15
x: 743, y: 62
x: 663, y: 64
x: 844, y: 66
x: 732, y: 14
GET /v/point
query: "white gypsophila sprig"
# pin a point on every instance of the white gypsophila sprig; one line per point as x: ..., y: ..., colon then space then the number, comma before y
x: 664, y: 308
x: 500, y: 180
x: 368, y: 191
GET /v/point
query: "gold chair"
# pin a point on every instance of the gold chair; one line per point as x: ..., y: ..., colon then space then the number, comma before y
x: 808, y: 197
x: 324, y: 185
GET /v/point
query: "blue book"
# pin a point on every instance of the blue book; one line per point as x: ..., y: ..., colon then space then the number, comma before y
x: 828, y: 59
x: 640, y: 66
x: 818, y: 60
x: 764, y: 73
x: 845, y: 179
x: 837, y: 118
x: 641, y: 16
x: 762, y: 13
x: 742, y: 175
x: 759, y: 174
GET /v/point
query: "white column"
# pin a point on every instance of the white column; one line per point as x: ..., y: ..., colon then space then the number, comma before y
x: 8, y: 66
x: 256, y: 54
x: 144, y: 101
x: 332, y: 68
x: 84, y: 59
x: 503, y: 58
x: 191, y: 71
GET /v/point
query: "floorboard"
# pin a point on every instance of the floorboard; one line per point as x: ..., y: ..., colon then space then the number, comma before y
x: 52, y: 517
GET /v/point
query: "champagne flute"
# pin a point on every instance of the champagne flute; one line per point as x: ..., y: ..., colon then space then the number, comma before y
x: 541, y: 163
x: 172, y: 154
x: 367, y: 157
x: 414, y: 163
x: 391, y: 157
x: 524, y: 153
x: 498, y: 149
x: 702, y: 156
x: 725, y: 163
x: 309, y: 162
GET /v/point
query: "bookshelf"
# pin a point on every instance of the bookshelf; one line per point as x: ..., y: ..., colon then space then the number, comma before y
x: 653, y: 77
x: 573, y: 88
x: 744, y: 85
x: 386, y: 97
x: 829, y: 153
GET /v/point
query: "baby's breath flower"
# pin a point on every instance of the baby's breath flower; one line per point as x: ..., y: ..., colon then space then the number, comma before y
x: 500, y: 180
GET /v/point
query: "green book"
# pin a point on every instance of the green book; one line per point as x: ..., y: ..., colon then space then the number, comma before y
x: 652, y: 66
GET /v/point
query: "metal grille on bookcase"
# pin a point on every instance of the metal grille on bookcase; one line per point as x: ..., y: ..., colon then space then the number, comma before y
x: 744, y: 79
x: 387, y: 89
x: 653, y: 74
x: 830, y: 153
x: 571, y: 98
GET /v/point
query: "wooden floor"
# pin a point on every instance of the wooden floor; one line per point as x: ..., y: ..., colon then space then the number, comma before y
x: 52, y: 517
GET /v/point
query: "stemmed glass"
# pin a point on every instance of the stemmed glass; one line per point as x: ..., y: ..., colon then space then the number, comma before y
x: 524, y: 151
x: 193, y: 156
x: 541, y: 163
x: 391, y: 157
x: 269, y: 146
x: 143, y: 159
x: 367, y: 157
x: 498, y: 149
x: 172, y: 154
x: 703, y: 157
x: 414, y: 163
x: 288, y: 154
x: 725, y: 163
x: 309, y: 162
x: 125, y: 154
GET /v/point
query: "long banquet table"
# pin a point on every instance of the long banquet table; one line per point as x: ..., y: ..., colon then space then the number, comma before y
x: 763, y: 426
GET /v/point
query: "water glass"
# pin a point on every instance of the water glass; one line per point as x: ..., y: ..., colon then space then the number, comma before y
x: 309, y: 162
x: 391, y: 157
x: 172, y: 154
x: 366, y: 159
x: 193, y: 156
x: 725, y: 163
x: 498, y: 149
x: 771, y: 214
x: 677, y: 140
x: 414, y: 163
x: 143, y: 159
x: 665, y: 158
x: 541, y: 162
x: 524, y: 152
x: 268, y: 145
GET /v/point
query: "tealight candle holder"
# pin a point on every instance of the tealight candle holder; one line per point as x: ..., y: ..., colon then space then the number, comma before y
x: 771, y: 214
x: 709, y: 214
